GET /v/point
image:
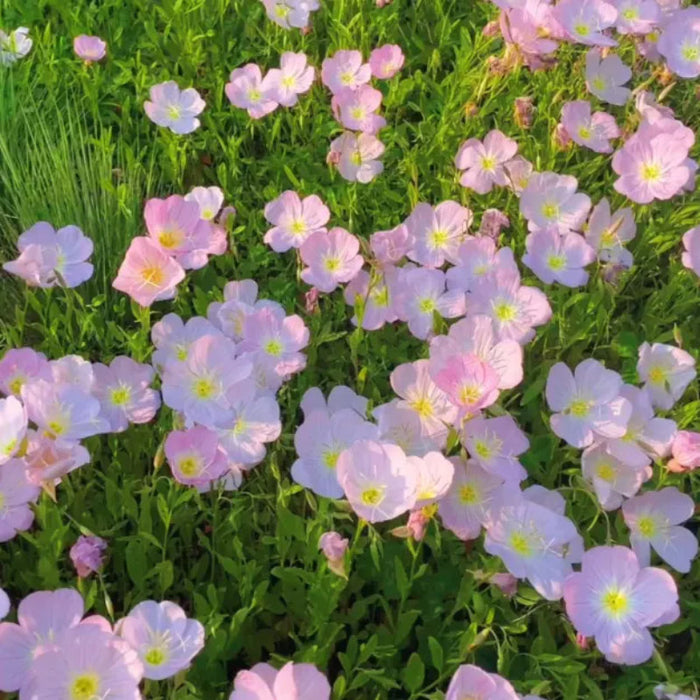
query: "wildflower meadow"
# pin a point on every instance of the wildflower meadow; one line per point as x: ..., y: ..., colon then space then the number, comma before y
x: 348, y: 349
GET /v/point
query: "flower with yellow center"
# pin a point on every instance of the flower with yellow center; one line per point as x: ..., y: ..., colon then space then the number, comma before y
x: 556, y: 262
x: 203, y: 388
x: 357, y: 113
x: 171, y: 238
x: 356, y: 158
x: 605, y: 472
x: 347, y: 78
x: 174, y: 112
x: 488, y: 163
x: 647, y: 526
x: 254, y: 95
x: 579, y: 408
x: 422, y: 406
x: 657, y: 375
x: 615, y: 602
x: 332, y: 264
x: 329, y: 457
x: 468, y: 494
x: 584, y: 133
x: 549, y: 210
x: 121, y: 395
x: 16, y: 383
x: 190, y: 466
x: 85, y: 687
x: 426, y: 305
x: 651, y: 172
x: 155, y: 656
x: 599, y: 83
x: 153, y: 276
x: 520, y: 544
x: 273, y: 347
x: 690, y: 53
x: 298, y: 227
x: 289, y: 81
x: 505, y: 311
x: 582, y: 29
x: 438, y: 239
x: 469, y: 394
x: 372, y: 496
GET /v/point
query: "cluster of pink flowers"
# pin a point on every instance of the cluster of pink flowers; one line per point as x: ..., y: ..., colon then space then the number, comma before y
x: 355, y: 103
x: 182, y: 233
x: 50, y: 258
x: 54, y: 652
x: 50, y: 407
x: 291, y: 14
x: 220, y: 375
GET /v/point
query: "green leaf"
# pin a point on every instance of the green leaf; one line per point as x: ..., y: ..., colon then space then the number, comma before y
x: 414, y: 673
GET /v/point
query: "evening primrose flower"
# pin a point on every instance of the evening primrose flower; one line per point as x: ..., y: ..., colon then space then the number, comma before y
x: 247, y: 89
x: 469, y: 382
x: 584, y: 21
x: 15, y: 45
x: 679, y: 42
x: 476, y: 258
x: 495, y: 444
x: 345, y: 69
x: 402, y: 426
x: 612, y: 479
x: 174, y: 108
x: 87, y: 554
x: 124, y: 392
x: 50, y: 258
x: 292, y: 682
x: 464, y: 506
x: 89, y: 48
x: 606, y: 77
x: 554, y: 257
x: 356, y: 156
x: 74, y: 370
x: 593, y: 130
x: 437, y: 232
x: 607, y: 233
x: 20, y: 365
x: 331, y: 258
x: 165, y: 639
x: 294, y: 220
x: 654, y: 519
x: 474, y: 683
x: 636, y: 16
x: 148, y: 274
x: 334, y: 547
x: 514, y: 309
x: 587, y: 403
x: 550, y: 201
x: 377, y: 480
x: 194, y: 457
x: 339, y: 398
x: 376, y: 294
x: 355, y: 109
x: 614, y: 599
x: 666, y: 372
x: 686, y: 451
x: 482, y: 163
x: 386, y: 61
x: 16, y: 493
x: 48, y: 460
x: 434, y: 474
x: 390, y: 247
x: 13, y: 427
x: 319, y: 442
x: 293, y: 78
x: 173, y: 338
x: 691, y: 254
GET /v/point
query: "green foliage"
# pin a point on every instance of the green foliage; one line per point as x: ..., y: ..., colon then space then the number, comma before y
x: 76, y: 147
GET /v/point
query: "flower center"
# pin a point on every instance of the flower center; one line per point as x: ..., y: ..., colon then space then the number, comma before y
x: 556, y: 262
x: 371, y: 496
x: 254, y: 95
x: 332, y: 264
x: 380, y: 296
x: 85, y: 687
x: 8, y: 447
x: 579, y: 408
x: 170, y: 238
x: 469, y: 394
x: 281, y: 10
x: 240, y: 426
x: 153, y: 276
x: 646, y: 526
x: 468, y: 495
x: 274, y: 348
x: 121, y: 395
x: 181, y: 352
x: 347, y: 78
x: 599, y: 83
x: 584, y: 132
x: 438, y: 239
x: 657, y: 375
x: 174, y: 112
x: 582, y: 29
x: 204, y: 389
x: 57, y: 427
x: 615, y: 602
x: 298, y: 227
x: 690, y: 53
x: 651, y: 172
x: 15, y: 385
x: 155, y: 656
x: 605, y: 472
x: 357, y: 113
x: 483, y: 449
x: 422, y: 407
x: 505, y: 311
x: 488, y: 163
x: 520, y: 544
x: 289, y: 81
x: 330, y: 458
x: 607, y: 239
x: 190, y: 467
x: 549, y: 210
x: 356, y: 158
x: 426, y: 306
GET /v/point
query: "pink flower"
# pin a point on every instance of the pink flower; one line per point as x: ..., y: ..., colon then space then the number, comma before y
x: 558, y: 258
x: 615, y: 600
x: 147, y: 274
x: 174, y: 108
x: 247, y: 89
x: 605, y: 77
x: 434, y: 474
x: 49, y: 258
x: 679, y: 42
x: 331, y: 258
x: 63, y: 411
x: 494, y: 444
x: 294, y: 220
x: 291, y: 682
x: 173, y: 338
x: 13, y: 427
x: 591, y: 130
x: 551, y: 201
x: 474, y: 683
x: 419, y: 294
x: 463, y: 508
x: 89, y: 48
x: 355, y: 109
x: 612, y: 479
x: 339, y: 398
x: 49, y: 460
x: 637, y: 16
x: 20, y: 365
x: 534, y: 538
x: 165, y: 639
x: 482, y: 163
x: 391, y: 246
x: 194, y: 457
x: 514, y: 309
x: 90, y: 660
x: 476, y: 259
x: 375, y: 294
x: 492, y: 222
x: 16, y: 493
x: 653, y: 163
x: 586, y: 20
x: 345, y: 69
x: 402, y: 426
x: 386, y: 61
x: 518, y: 172
x: 377, y: 480
x: 87, y: 555
x: 319, y: 442
x: 437, y: 232
x: 293, y: 78
x: 607, y: 233
x: 124, y: 392
x: 527, y: 27
x: 587, y: 403
x: 691, y: 254
x: 666, y: 372
x: 356, y: 156
x: 685, y: 451
x: 475, y: 335
x: 334, y: 547
x: 470, y: 383
x: 290, y: 14
x: 654, y: 520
